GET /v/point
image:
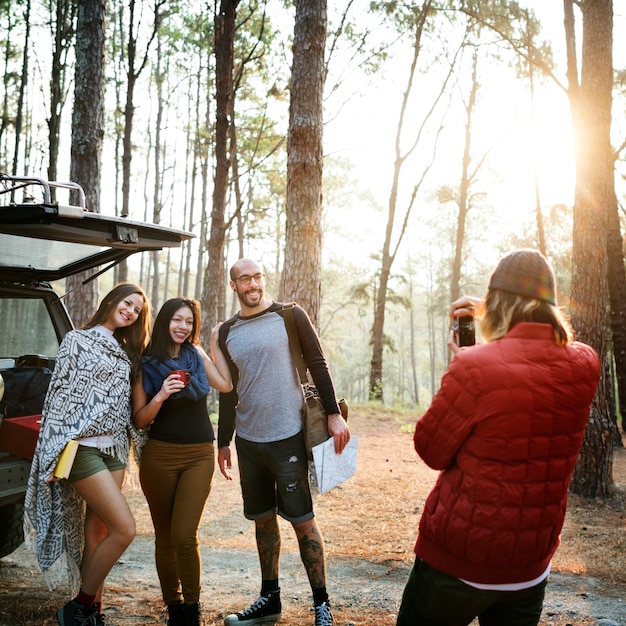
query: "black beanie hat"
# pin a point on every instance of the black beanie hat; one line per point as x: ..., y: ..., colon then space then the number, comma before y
x: 525, y: 272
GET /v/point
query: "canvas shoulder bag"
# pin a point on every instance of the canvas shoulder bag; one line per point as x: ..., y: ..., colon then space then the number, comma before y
x: 314, y: 418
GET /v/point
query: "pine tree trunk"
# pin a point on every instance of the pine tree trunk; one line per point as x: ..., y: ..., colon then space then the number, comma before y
x: 87, y: 134
x: 301, y: 280
x: 591, y: 113
x: 214, y: 275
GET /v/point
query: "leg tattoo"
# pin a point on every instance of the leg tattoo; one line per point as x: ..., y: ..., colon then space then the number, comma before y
x: 312, y: 553
x: 268, y: 546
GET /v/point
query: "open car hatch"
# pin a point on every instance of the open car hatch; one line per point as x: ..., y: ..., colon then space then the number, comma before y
x: 41, y: 239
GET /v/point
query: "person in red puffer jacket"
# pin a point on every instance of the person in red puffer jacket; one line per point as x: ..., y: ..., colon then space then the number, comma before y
x: 505, y: 429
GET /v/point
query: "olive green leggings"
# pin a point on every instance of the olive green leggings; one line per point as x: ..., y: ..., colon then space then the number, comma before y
x: 176, y: 480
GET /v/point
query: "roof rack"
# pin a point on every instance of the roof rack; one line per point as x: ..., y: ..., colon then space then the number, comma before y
x: 11, y: 184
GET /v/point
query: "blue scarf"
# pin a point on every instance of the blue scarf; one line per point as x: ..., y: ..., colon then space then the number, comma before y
x: 189, y: 359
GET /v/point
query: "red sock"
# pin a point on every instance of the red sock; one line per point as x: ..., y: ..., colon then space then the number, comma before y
x: 85, y: 599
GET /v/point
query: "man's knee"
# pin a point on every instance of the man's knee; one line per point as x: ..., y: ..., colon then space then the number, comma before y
x: 308, y: 528
x: 268, y: 522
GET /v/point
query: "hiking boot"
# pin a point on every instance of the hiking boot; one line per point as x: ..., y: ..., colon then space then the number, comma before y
x: 176, y: 614
x: 76, y: 614
x: 192, y: 614
x: 323, y: 616
x: 263, y: 609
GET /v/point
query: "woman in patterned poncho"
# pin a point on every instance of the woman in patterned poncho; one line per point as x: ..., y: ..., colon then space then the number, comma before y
x: 82, y: 525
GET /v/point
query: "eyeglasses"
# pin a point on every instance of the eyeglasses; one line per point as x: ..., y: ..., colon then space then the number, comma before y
x: 246, y: 279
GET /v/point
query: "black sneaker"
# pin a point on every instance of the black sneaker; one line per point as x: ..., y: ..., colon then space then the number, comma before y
x: 75, y: 614
x: 99, y: 617
x: 263, y: 609
x: 323, y: 616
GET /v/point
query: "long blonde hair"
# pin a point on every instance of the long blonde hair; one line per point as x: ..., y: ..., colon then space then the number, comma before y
x: 501, y: 311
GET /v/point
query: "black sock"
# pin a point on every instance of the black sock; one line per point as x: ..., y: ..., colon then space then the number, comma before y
x: 269, y: 586
x: 320, y: 596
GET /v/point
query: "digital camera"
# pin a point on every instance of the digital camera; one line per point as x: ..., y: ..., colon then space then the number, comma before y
x: 464, y: 331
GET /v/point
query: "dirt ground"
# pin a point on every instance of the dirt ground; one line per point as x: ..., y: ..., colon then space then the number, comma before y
x: 369, y: 526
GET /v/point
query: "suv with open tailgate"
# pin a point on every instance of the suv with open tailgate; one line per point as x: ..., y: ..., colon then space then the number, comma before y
x: 42, y: 241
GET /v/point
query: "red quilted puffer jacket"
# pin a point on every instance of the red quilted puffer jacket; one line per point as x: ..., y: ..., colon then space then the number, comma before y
x: 505, y: 427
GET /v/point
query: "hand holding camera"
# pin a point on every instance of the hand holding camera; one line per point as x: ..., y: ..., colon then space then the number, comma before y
x: 463, y: 326
x: 464, y: 331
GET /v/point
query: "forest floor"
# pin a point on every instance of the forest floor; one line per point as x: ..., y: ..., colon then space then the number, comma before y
x: 369, y: 525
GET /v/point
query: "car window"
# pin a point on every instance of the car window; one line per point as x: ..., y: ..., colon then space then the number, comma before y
x: 42, y: 254
x: 27, y: 328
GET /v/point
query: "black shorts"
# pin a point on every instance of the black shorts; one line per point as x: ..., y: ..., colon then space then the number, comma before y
x: 275, y: 479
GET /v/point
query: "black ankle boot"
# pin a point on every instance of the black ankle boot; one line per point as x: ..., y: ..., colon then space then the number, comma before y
x: 192, y: 614
x: 176, y: 614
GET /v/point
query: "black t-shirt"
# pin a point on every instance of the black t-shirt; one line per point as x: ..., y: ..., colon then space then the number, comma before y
x: 182, y: 421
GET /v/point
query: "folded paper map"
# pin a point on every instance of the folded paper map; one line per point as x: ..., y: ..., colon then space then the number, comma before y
x: 331, y: 468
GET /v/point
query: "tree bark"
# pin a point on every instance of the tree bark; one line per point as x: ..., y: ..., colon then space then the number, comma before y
x: 301, y: 279
x: 590, y: 103
x: 214, y: 275
x: 87, y: 135
x: 617, y: 299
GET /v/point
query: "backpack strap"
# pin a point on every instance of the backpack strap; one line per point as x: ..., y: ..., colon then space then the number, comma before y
x: 294, y: 342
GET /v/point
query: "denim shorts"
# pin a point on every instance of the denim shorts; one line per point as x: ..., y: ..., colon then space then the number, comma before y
x: 90, y: 461
x: 275, y: 479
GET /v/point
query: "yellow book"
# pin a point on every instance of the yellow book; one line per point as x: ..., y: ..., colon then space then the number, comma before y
x: 66, y: 460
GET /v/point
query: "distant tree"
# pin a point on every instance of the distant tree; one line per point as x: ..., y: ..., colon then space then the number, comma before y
x: 134, y: 68
x: 9, y: 78
x: 197, y: 39
x: 157, y: 200
x: 416, y: 21
x: 469, y: 172
x: 19, y: 117
x: 531, y: 73
x: 62, y: 27
x: 191, y: 176
x: 87, y: 135
x: 301, y: 279
x: 518, y: 28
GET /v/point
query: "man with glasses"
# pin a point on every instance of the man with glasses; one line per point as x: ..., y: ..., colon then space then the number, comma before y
x: 265, y: 410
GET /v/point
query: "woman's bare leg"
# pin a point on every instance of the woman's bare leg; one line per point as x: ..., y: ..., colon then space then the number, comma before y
x: 109, y: 527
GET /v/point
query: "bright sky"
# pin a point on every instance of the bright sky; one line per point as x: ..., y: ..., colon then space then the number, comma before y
x: 365, y: 134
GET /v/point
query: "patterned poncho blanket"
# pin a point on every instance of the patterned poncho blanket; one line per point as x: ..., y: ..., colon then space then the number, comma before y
x: 89, y: 395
